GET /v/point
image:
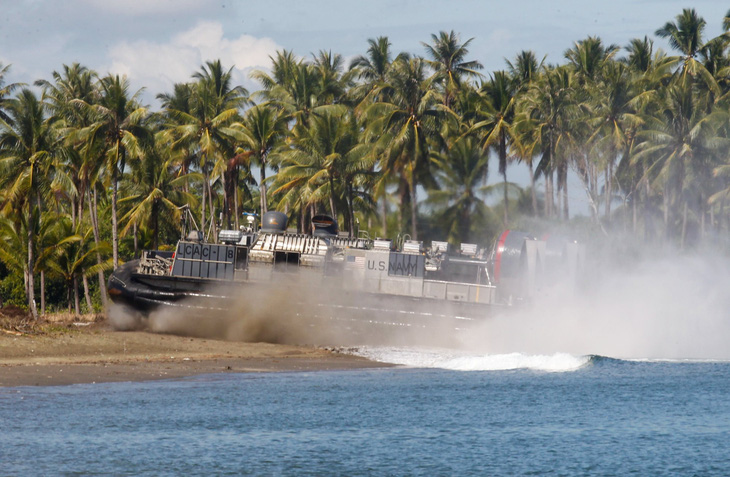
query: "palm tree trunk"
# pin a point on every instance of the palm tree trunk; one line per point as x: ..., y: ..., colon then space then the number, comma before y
x: 332, y: 197
x: 155, y: 226
x: 403, y: 192
x: 43, y: 292
x: 645, y: 212
x: 385, y: 212
x: 29, y: 265
x: 635, y: 213
x: 350, y: 209
x: 73, y: 213
x: 666, y: 210
x: 684, y: 226
x: 211, y: 207
x: 226, y: 202
x: 136, y: 239
x: 68, y: 296
x: 700, y: 206
x: 717, y: 219
x: 77, y: 307
x: 414, y: 203
x: 94, y: 216
x: 235, y: 199
x: 564, y: 180
x: 202, y: 208
x: 262, y: 185
x: 609, y: 174
x: 115, y: 236
x: 533, y: 193
x: 25, y: 279
x: 79, y: 207
x: 503, y: 171
x: 550, y: 195
x: 87, y: 295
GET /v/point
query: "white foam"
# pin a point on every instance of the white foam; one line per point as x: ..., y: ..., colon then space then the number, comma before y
x: 448, y: 359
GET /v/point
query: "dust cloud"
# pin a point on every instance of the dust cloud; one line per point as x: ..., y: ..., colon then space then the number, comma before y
x: 124, y: 318
x: 295, y: 310
x: 658, y: 308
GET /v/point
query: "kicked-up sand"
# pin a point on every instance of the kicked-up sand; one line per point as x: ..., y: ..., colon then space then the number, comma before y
x: 70, y: 352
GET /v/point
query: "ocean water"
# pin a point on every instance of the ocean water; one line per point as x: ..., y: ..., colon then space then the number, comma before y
x: 439, y: 414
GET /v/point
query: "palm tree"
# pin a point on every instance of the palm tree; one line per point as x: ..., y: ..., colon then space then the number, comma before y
x: 118, y: 130
x: 318, y: 158
x: 679, y: 146
x: 5, y: 91
x: 524, y: 69
x: 294, y: 87
x: 405, y: 124
x: 14, y: 245
x: 214, y: 106
x: 76, y: 83
x: 717, y: 63
x: 262, y: 129
x: 27, y: 147
x: 154, y: 189
x: 640, y: 54
x: 215, y: 94
x: 181, y: 99
x: 495, y: 119
x: 588, y: 58
x: 613, y: 125
x: 372, y: 68
x: 73, y: 256
x: 448, y: 59
x: 333, y: 82
x: 282, y: 71
x: 685, y: 35
x: 71, y: 97
x: 549, y: 109
x: 461, y: 168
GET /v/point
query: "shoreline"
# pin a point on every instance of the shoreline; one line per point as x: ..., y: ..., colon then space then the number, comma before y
x: 84, y: 353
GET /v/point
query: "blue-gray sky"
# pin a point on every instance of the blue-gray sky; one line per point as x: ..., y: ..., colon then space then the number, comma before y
x: 160, y: 42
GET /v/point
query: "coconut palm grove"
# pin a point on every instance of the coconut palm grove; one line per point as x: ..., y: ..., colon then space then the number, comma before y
x: 392, y: 143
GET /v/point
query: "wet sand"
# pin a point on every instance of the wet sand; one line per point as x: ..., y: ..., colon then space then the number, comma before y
x: 94, y: 352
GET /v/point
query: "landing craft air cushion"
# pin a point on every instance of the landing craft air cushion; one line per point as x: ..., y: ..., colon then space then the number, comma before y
x: 402, y: 279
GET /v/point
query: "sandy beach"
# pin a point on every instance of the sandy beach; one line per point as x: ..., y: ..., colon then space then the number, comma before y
x: 91, y: 352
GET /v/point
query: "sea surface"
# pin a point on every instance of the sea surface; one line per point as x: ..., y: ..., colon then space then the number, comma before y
x: 439, y: 413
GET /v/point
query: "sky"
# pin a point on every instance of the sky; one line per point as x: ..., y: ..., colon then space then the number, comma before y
x: 157, y: 43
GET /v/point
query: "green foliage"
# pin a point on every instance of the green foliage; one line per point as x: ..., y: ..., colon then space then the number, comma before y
x: 12, y: 290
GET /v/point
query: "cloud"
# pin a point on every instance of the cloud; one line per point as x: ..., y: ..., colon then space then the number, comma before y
x: 158, y: 66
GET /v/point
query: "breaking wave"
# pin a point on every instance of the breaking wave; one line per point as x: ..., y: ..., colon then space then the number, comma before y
x: 452, y: 360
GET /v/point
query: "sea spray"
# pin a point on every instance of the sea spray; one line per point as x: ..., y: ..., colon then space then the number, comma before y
x: 676, y: 308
